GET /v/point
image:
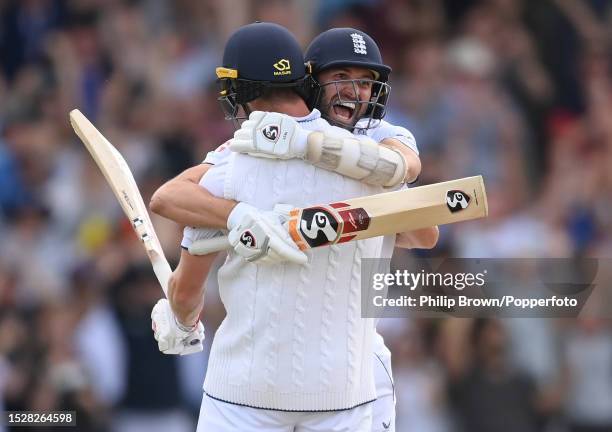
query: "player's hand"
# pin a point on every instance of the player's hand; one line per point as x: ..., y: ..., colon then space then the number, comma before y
x: 172, y: 337
x: 261, y: 237
x: 270, y: 135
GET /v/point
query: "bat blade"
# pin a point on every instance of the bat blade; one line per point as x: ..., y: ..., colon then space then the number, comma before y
x: 380, y: 214
x: 121, y: 181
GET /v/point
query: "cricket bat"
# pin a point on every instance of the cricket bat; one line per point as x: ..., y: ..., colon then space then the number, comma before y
x: 120, y: 179
x: 377, y: 215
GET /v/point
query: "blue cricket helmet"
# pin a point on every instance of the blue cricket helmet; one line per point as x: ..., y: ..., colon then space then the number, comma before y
x: 349, y: 47
x: 263, y: 52
x: 259, y: 56
x: 339, y: 47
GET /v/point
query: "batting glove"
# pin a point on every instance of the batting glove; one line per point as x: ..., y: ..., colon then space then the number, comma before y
x: 173, y: 337
x: 261, y: 238
x: 270, y: 135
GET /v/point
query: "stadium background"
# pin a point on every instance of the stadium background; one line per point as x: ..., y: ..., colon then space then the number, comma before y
x: 519, y: 91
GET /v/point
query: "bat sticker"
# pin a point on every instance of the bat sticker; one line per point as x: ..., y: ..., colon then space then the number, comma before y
x: 457, y: 200
x: 318, y: 226
x: 356, y: 219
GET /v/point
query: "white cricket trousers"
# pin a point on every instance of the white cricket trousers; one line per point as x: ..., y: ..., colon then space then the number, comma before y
x: 218, y: 416
x: 383, y: 408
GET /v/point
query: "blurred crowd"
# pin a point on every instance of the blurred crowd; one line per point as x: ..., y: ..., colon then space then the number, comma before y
x: 517, y: 90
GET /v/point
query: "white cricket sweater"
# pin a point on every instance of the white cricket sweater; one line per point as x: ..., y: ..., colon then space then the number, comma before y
x: 293, y: 337
x: 381, y: 131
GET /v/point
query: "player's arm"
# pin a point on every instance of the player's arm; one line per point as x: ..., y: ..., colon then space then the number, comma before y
x: 411, y: 159
x: 401, y: 140
x: 257, y: 236
x: 274, y: 135
x: 184, y: 201
x: 186, y: 287
x: 175, y: 320
x: 424, y: 238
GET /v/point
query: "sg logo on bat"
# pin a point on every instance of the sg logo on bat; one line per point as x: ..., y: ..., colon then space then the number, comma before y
x: 323, y: 225
x: 318, y: 226
x: 457, y: 200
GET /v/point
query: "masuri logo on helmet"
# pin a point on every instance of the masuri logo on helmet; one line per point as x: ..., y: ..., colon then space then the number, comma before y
x: 283, y: 67
x: 250, y: 67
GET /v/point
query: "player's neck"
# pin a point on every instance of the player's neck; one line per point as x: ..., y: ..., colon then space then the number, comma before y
x: 295, y: 107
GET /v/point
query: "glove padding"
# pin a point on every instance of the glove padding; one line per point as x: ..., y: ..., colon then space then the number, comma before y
x: 261, y: 238
x: 172, y: 337
x: 271, y: 135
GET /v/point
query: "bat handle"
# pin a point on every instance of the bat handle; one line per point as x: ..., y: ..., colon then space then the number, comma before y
x: 207, y: 246
x: 162, y: 270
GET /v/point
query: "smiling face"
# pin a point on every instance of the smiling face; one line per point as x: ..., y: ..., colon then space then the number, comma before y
x: 345, y: 93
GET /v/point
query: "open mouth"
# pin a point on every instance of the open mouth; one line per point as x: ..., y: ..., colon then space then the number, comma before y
x: 344, y: 110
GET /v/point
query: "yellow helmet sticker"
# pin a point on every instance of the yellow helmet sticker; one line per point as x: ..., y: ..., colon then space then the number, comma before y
x: 226, y: 73
x: 283, y: 67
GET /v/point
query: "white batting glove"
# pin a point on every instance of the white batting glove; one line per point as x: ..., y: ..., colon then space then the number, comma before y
x: 260, y: 237
x: 171, y: 336
x: 270, y: 135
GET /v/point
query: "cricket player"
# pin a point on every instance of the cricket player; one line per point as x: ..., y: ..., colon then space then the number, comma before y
x: 293, y: 353
x: 361, y: 83
x: 347, y: 64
